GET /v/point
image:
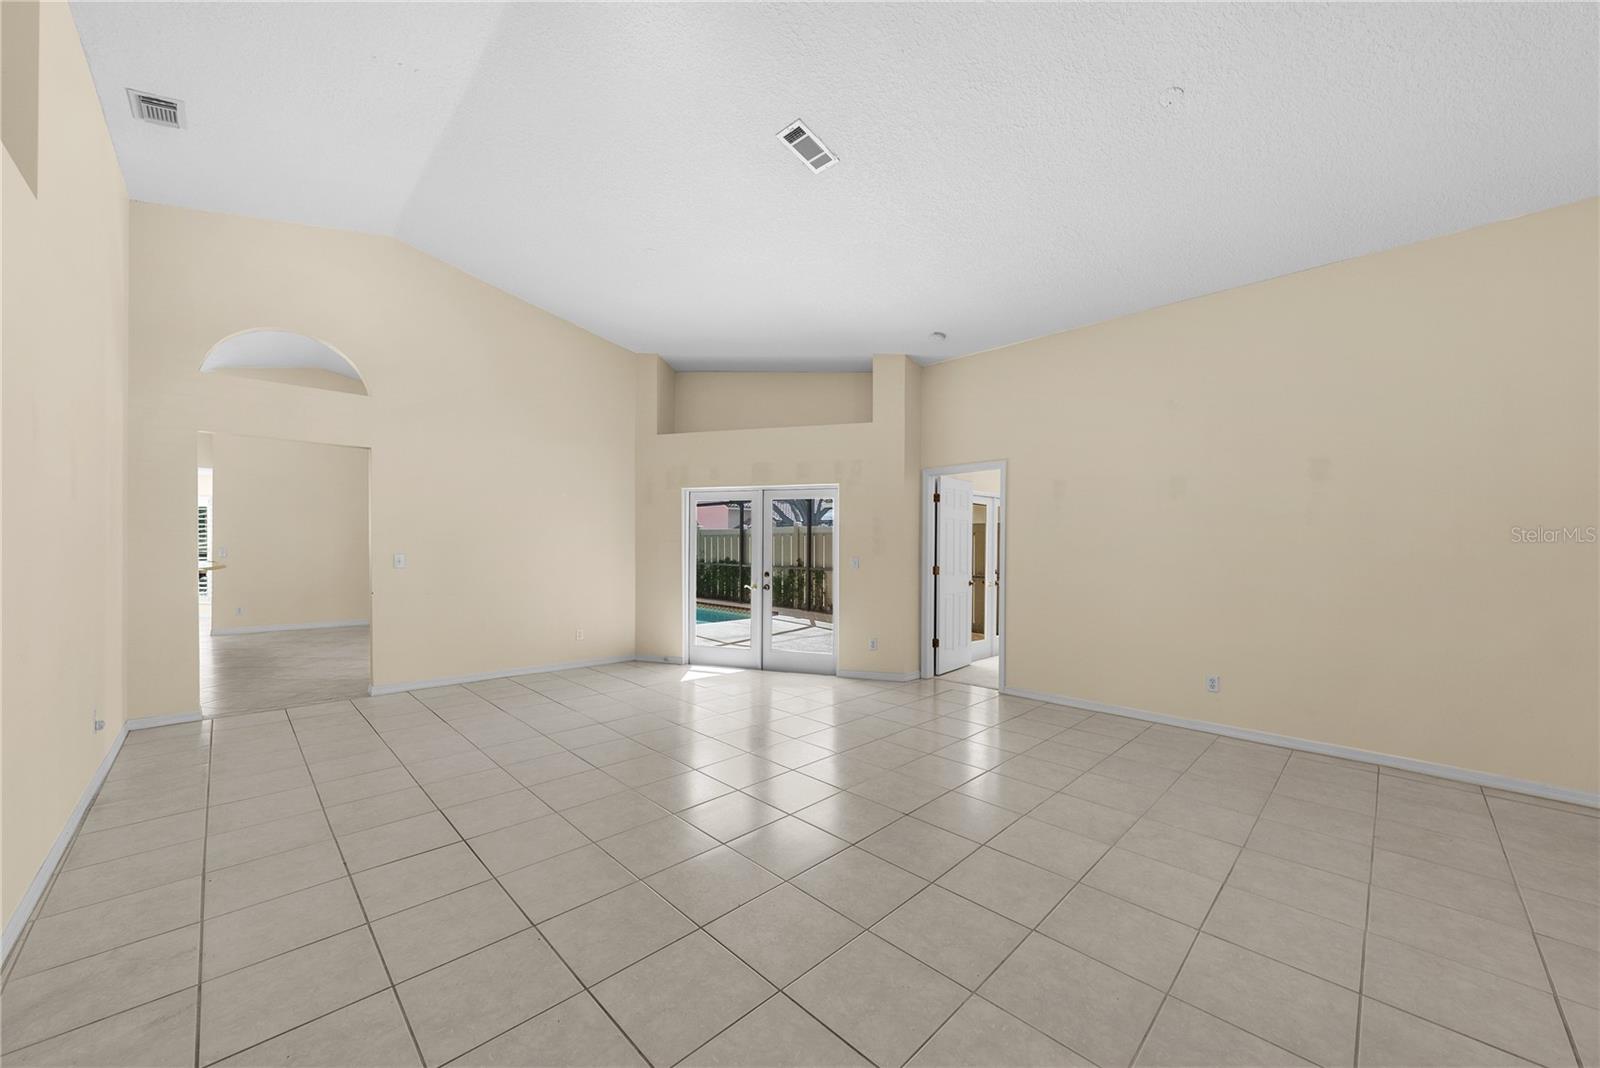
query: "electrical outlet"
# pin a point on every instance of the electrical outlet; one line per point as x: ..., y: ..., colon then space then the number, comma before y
x: 580, y: 634
x: 1213, y: 683
x: 99, y: 724
x: 238, y: 610
x: 872, y: 643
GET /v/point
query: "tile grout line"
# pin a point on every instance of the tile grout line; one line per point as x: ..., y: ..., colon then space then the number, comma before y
x: 496, y: 878
x: 1561, y: 1012
x: 1034, y: 930
x: 1366, y: 927
x: 200, y: 953
x: 698, y: 927
x: 1200, y: 929
x: 362, y: 905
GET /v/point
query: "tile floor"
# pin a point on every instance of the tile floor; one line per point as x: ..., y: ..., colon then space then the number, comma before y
x: 280, y: 669
x: 647, y: 863
x: 984, y: 672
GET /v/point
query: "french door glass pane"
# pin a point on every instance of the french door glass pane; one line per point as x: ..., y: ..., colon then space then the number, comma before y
x: 722, y: 573
x: 800, y: 560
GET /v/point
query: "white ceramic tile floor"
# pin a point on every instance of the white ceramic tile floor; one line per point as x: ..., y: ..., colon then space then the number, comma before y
x: 603, y: 866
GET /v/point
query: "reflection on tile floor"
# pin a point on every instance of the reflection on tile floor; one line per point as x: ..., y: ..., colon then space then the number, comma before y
x: 645, y: 863
x: 281, y: 669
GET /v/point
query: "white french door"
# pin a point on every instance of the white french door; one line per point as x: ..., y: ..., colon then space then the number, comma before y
x: 761, y: 577
x: 952, y: 575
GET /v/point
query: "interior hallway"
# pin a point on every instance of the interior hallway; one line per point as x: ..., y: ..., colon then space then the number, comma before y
x: 280, y: 669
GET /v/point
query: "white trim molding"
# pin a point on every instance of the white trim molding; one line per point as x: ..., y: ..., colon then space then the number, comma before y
x: 1344, y: 752
x: 222, y: 632
x: 144, y: 723
x: 58, y: 850
x: 485, y: 676
x: 880, y: 676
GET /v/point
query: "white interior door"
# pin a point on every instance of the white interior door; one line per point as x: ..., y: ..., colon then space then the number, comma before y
x: 952, y: 582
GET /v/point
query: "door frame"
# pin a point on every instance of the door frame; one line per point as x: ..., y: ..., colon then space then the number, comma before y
x: 925, y: 640
x: 992, y: 510
x: 759, y: 525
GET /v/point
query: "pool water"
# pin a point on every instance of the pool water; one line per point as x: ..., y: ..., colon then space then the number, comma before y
x: 702, y: 614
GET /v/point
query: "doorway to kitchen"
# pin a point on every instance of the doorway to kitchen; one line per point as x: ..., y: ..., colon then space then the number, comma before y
x: 759, y: 577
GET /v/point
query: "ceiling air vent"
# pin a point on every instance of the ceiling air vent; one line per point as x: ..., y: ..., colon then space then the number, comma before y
x: 807, y: 146
x: 160, y: 110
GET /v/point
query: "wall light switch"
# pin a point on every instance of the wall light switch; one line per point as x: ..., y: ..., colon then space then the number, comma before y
x: 872, y: 643
x: 855, y: 563
x: 399, y: 560
x: 222, y: 552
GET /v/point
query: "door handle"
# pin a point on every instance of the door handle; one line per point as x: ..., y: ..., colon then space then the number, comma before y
x: 766, y: 585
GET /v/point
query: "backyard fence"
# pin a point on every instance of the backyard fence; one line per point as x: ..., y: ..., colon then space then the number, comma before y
x: 801, y: 566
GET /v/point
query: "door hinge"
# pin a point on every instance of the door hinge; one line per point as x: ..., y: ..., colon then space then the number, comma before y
x: 936, y: 498
x: 935, y: 569
x: 936, y: 643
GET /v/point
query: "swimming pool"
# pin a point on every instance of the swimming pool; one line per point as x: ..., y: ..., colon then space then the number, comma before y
x: 704, y: 614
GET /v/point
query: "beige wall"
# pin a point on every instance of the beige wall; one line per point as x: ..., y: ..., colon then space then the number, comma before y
x: 292, y: 518
x: 735, y: 400
x: 1308, y: 487
x: 874, y: 464
x: 64, y: 262
x: 473, y: 394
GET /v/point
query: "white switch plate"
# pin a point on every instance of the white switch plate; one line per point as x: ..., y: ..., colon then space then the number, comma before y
x: 872, y: 643
x: 399, y: 560
x: 855, y: 562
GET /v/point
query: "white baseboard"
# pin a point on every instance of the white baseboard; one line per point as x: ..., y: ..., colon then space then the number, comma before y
x: 659, y: 659
x: 41, y: 879
x: 146, y: 722
x: 879, y: 676
x: 1345, y: 752
x: 485, y: 676
x: 223, y: 632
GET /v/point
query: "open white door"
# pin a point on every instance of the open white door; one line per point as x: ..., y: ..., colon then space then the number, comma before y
x: 952, y: 582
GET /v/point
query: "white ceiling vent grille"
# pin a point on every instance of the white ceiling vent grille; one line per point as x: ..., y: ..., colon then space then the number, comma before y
x: 808, y: 146
x: 160, y: 110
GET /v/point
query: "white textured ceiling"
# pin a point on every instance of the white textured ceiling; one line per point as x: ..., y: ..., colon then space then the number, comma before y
x: 1006, y: 171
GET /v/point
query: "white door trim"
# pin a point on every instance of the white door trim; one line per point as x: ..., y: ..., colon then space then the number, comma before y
x: 929, y: 474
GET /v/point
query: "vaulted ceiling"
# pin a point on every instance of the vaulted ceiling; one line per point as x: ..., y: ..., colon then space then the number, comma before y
x: 1005, y: 171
